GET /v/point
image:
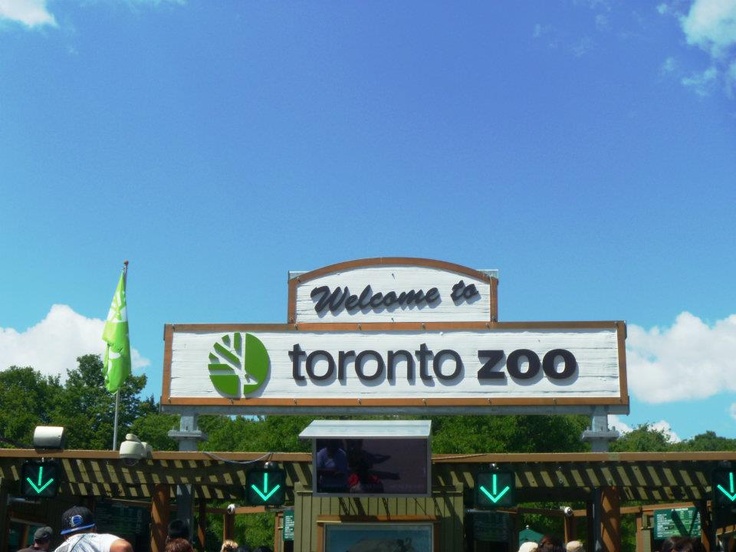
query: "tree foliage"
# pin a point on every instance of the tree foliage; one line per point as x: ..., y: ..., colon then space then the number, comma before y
x: 706, y: 441
x: 262, y: 434
x: 153, y: 426
x: 499, y: 434
x: 87, y: 409
x: 82, y: 405
x: 647, y: 438
x: 644, y: 438
x: 28, y: 399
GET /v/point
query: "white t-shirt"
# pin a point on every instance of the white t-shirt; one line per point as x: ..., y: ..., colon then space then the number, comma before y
x: 88, y: 542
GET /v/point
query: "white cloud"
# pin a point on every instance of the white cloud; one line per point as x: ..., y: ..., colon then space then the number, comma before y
x: 53, y: 345
x: 35, y: 14
x: 668, y: 66
x: 690, y: 360
x: 665, y: 428
x: 711, y: 25
x: 614, y: 422
x: 31, y: 13
x: 702, y: 83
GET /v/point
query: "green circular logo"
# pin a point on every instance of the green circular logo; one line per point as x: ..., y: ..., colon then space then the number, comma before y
x: 239, y: 365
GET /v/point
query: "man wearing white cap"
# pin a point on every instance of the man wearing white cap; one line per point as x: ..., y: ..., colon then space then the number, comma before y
x: 78, y: 530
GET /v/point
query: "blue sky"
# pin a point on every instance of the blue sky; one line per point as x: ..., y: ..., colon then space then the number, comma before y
x: 584, y: 148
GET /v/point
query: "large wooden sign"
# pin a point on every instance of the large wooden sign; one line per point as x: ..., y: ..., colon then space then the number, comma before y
x: 393, y: 290
x: 379, y: 340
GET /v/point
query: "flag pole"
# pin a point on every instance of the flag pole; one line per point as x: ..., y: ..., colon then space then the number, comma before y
x: 115, y: 422
x: 117, y: 393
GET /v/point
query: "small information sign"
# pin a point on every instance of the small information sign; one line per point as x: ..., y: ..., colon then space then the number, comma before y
x: 288, y: 525
x: 676, y: 522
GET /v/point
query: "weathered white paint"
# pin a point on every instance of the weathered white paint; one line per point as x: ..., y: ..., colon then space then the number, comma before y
x: 384, y: 279
x: 596, y: 351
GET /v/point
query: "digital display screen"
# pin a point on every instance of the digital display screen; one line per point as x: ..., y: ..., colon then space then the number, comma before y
x: 372, y: 466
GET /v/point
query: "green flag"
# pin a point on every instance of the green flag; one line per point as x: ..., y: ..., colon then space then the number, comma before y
x: 116, y: 365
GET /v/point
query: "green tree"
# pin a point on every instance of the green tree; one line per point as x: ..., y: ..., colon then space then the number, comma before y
x: 27, y: 398
x: 494, y: 434
x: 705, y: 442
x: 87, y: 410
x: 644, y: 438
x: 153, y: 426
x: 261, y: 434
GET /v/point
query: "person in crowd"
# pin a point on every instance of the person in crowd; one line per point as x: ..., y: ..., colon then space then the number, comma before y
x: 550, y: 543
x: 79, y: 531
x: 575, y: 546
x: 178, y: 529
x: 41, y: 540
x: 178, y: 545
x: 363, y: 478
x: 698, y: 545
x: 243, y: 548
x: 229, y: 546
x: 332, y: 467
x: 528, y: 547
x: 669, y: 544
x: 681, y: 544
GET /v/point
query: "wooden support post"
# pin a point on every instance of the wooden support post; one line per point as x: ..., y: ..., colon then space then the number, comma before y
x: 707, y: 534
x: 202, y: 523
x: 159, y: 517
x: 228, y: 526
x: 610, y: 520
x: 640, y: 531
x: 569, y: 527
x: 278, y: 527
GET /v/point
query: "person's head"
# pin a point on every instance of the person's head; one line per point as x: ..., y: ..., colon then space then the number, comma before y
x: 575, y: 546
x: 178, y: 529
x: 682, y: 544
x: 42, y: 538
x: 229, y: 546
x: 550, y: 543
x: 76, y: 520
x: 698, y: 545
x: 528, y: 547
x: 333, y: 445
x: 670, y: 543
x: 178, y: 545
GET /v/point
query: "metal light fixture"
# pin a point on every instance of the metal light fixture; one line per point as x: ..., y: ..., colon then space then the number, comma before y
x: 133, y: 450
x: 49, y: 437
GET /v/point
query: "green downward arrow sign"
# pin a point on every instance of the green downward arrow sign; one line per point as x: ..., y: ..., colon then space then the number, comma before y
x: 731, y: 493
x: 495, y: 495
x: 265, y: 494
x: 40, y: 486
